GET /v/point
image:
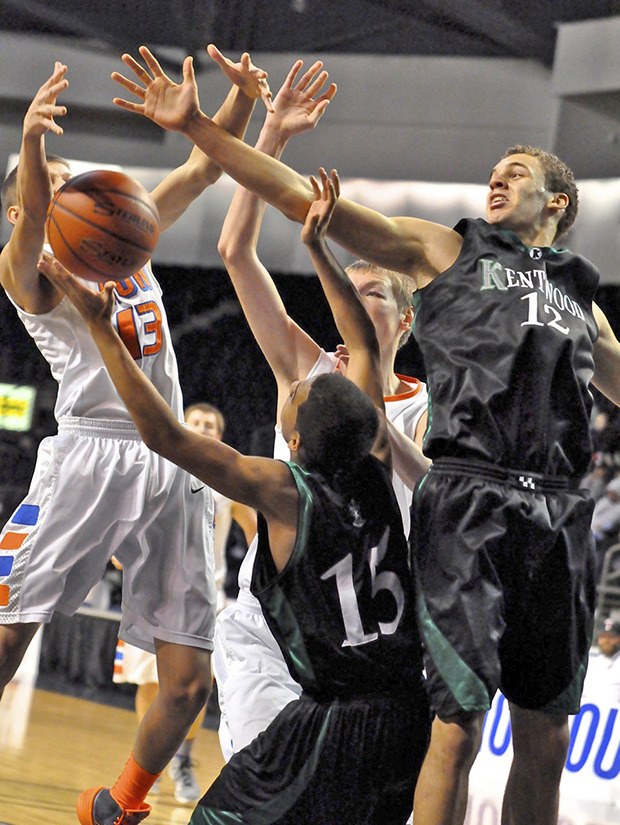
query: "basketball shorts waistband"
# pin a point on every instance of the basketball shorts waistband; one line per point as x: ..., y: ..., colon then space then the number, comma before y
x: 248, y: 601
x: 520, y: 479
x: 99, y: 427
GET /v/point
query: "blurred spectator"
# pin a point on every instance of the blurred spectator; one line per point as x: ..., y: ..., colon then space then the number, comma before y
x: 603, y: 677
x: 596, y: 480
x: 606, y: 522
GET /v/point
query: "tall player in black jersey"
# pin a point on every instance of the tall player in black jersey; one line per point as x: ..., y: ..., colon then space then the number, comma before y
x: 331, y: 574
x: 511, y: 340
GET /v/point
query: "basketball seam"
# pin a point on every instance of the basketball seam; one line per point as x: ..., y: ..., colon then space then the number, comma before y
x: 103, y: 229
x: 87, y: 264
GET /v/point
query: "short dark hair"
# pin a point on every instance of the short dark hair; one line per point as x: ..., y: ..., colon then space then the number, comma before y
x: 558, y: 178
x: 8, y: 191
x: 337, y: 424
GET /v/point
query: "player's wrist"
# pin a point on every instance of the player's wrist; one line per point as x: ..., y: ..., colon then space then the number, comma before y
x: 272, y: 136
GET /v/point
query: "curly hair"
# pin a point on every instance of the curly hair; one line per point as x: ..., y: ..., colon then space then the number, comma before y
x: 337, y: 424
x: 558, y: 178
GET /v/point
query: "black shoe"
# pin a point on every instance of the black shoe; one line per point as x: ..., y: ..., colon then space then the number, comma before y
x: 96, y: 807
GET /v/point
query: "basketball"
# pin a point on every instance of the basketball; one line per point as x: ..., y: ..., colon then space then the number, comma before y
x: 102, y: 225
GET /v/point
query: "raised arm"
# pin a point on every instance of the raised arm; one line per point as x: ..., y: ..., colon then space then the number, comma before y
x: 606, y: 358
x: 261, y: 483
x: 26, y: 203
x: 184, y: 184
x: 417, y: 248
x: 350, y: 316
x: 290, y: 352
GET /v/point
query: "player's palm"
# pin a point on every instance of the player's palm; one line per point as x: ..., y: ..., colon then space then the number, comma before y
x: 299, y: 106
x: 92, y: 306
x: 169, y: 104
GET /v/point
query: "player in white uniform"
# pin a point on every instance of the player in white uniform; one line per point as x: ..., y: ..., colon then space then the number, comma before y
x: 139, y: 667
x: 96, y: 489
x: 253, y: 680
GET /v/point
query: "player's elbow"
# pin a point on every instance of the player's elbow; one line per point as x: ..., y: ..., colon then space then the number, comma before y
x: 235, y: 251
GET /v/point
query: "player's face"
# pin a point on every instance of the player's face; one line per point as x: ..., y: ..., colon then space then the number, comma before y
x: 608, y: 643
x: 517, y: 195
x: 204, y: 423
x: 297, y: 394
x: 381, y: 305
x: 59, y: 174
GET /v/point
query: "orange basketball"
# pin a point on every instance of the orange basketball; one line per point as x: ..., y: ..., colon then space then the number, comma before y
x: 102, y: 225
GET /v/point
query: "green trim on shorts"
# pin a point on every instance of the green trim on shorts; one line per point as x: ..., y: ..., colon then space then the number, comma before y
x: 209, y: 816
x: 465, y: 686
x: 276, y: 601
x: 274, y: 809
x: 569, y: 701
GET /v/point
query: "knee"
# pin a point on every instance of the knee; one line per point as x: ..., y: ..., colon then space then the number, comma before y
x: 542, y: 747
x: 458, y: 739
x: 185, y: 691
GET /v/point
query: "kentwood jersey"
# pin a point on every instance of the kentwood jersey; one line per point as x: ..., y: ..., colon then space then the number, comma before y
x: 507, y: 334
x: 84, y: 386
x: 342, y: 609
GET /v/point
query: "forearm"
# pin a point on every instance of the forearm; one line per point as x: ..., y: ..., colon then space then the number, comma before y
x: 350, y: 316
x: 270, y: 179
x: 152, y: 416
x: 235, y: 112
x: 241, y: 228
x: 33, y: 181
x: 409, y: 461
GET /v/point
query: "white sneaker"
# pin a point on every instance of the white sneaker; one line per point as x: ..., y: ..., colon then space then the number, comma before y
x: 186, y: 789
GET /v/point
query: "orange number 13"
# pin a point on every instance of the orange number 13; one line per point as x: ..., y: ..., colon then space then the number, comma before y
x: 128, y: 330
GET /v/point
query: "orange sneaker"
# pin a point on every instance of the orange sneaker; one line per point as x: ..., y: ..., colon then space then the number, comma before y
x: 96, y: 807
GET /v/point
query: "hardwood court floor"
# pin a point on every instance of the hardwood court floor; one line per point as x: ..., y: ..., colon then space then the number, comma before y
x: 53, y: 746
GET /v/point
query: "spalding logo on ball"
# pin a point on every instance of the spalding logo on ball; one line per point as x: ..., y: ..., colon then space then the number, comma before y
x: 103, y: 225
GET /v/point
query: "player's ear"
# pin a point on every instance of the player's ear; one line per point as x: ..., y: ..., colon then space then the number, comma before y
x: 407, y: 318
x: 294, y: 442
x: 558, y: 200
x: 12, y: 213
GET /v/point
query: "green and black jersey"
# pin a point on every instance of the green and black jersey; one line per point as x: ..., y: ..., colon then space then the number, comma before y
x: 342, y: 609
x: 507, y: 334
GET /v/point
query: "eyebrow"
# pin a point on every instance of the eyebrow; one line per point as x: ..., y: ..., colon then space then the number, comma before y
x: 511, y: 165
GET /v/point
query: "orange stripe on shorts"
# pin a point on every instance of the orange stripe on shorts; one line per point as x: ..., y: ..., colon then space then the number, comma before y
x: 12, y: 541
x: 4, y: 595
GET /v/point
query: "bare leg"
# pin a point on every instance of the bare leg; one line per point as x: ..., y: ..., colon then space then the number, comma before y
x: 145, y: 696
x: 14, y: 641
x: 184, y: 685
x: 441, y: 792
x: 540, y: 743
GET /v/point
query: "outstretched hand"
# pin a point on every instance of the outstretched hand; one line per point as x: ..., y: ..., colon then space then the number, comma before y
x: 39, y: 118
x: 299, y: 106
x: 171, y: 105
x: 94, y: 307
x: 322, y: 208
x: 249, y: 78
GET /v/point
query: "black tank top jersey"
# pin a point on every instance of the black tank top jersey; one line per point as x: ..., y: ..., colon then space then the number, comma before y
x: 342, y: 610
x: 507, y: 334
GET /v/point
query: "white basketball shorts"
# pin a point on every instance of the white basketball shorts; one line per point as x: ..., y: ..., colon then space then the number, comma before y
x: 133, y: 665
x: 97, y: 491
x: 253, y: 681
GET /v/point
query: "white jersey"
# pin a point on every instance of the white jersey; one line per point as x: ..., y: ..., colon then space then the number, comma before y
x: 85, y: 389
x: 404, y: 411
